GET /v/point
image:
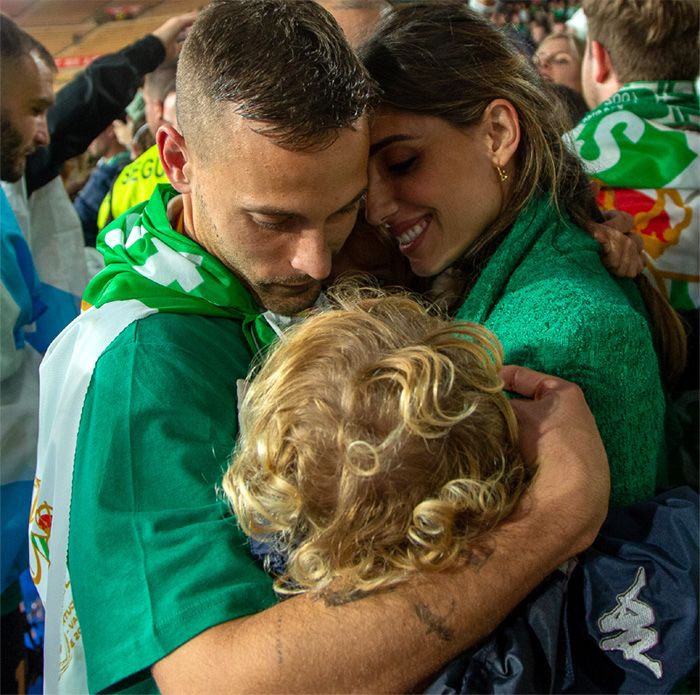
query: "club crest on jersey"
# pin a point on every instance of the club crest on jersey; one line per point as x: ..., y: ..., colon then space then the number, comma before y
x: 40, y: 519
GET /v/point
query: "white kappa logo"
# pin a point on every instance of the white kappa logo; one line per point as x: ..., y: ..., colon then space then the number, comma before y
x: 632, y: 619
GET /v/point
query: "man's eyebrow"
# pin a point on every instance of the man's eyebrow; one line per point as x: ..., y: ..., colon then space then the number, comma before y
x: 279, y: 212
x: 42, y: 102
x: 390, y: 140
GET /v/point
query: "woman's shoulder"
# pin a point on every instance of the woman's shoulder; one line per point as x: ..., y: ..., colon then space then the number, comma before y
x: 551, y: 277
x: 567, y: 269
x: 573, y: 298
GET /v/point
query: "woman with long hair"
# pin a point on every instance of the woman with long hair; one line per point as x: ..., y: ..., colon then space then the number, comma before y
x: 469, y: 174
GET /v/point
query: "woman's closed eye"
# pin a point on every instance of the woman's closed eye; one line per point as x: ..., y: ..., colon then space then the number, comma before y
x: 561, y: 60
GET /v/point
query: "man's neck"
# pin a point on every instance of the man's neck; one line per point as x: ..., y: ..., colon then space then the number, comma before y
x: 607, y: 89
x: 176, y: 214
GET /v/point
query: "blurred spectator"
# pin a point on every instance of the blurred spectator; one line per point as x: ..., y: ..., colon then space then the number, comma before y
x: 642, y: 137
x: 558, y: 59
x: 135, y: 118
x: 357, y: 18
x: 111, y: 159
x: 484, y: 7
x: 538, y: 30
x: 138, y: 180
x: 74, y: 173
x: 532, y: 20
x: 44, y: 269
x: 641, y: 141
x: 143, y: 140
x: 26, y: 92
x: 577, y: 25
x: 572, y: 103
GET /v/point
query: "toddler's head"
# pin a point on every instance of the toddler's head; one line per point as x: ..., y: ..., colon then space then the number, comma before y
x: 376, y: 441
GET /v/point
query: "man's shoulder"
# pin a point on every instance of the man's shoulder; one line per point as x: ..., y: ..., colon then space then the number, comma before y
x: 211, y: 339
x: 130, y: 330
x: 157, y: 426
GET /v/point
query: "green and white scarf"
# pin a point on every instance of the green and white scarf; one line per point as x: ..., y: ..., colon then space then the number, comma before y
x: 146, y: 259
x: 643, y: 146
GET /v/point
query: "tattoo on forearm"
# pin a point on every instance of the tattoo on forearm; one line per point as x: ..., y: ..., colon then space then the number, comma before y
x: 278, y: 642
x: 332, y: 599
x: 434, y: 623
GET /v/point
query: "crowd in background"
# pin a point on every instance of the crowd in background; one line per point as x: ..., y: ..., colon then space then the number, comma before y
x: 534, y: 20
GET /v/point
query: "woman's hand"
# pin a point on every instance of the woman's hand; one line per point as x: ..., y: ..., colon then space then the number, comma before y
x: 622, y: 248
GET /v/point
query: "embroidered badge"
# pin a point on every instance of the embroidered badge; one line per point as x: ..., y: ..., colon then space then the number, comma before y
x: 632, y: 619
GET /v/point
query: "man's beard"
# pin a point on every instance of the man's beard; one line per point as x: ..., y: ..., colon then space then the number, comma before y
x: 12, y: 159
x: 281, y: 299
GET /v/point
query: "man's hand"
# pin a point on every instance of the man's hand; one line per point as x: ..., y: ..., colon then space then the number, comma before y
x: 171, y: 30
x: 558, y: 434
x: 622, y: 249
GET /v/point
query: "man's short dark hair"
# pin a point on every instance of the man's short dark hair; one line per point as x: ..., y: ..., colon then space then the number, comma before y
x: 282, y: 63
x: 15, y: 43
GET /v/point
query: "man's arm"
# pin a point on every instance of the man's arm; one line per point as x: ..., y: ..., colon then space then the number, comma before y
x: 98, y: 95
x: 390, y: 641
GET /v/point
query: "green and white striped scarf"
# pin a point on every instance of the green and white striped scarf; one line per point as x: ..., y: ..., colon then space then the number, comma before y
x: 643, y: 146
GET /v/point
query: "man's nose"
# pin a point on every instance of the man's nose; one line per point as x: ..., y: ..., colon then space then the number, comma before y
x: 41, y: 134
x: 312, y: 255
x: 380, y: 203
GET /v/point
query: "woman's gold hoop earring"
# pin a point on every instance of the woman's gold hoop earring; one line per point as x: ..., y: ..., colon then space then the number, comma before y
x: 502, y: 173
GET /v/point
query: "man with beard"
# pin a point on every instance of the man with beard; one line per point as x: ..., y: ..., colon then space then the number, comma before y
x: 26, y: 92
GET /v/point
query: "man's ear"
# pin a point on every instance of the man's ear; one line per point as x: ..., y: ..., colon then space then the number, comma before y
x: 502, y: 127
x: 601, y: 65
x: 174, y: 157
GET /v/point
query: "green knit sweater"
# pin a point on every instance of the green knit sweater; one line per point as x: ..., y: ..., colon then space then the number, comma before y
x: 555, y: 308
